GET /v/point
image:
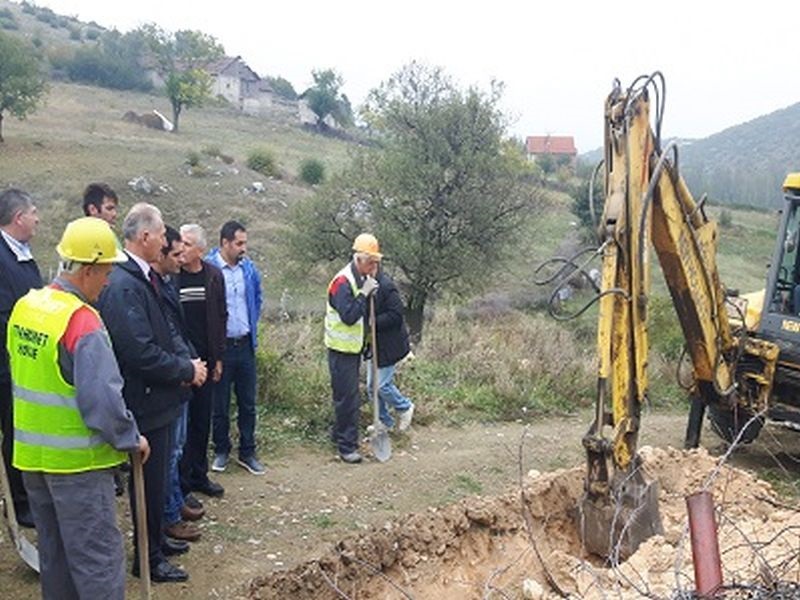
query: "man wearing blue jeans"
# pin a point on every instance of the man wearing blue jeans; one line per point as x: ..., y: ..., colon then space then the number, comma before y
x: 167, y: 267
x: 393, y: 346
x: 243, y: 300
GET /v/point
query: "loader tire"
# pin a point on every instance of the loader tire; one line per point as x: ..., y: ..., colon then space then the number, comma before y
x: 727, y: 423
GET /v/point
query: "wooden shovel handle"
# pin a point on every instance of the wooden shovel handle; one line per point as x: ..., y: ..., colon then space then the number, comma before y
x: 141, y: 526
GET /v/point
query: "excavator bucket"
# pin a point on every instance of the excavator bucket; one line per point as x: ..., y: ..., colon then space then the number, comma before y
x: 614, y: 525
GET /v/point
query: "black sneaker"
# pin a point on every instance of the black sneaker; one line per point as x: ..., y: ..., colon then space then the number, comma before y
x: 209, y: 488
x: 163, y: 572
x: 251, y: 464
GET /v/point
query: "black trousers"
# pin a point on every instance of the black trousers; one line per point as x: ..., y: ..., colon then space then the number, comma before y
x: 194, y: 463
x: 18, y: 493
x: 156, y: 477
x: 346, y: 401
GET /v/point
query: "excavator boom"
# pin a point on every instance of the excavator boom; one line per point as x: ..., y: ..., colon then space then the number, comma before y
x: 647, y: 203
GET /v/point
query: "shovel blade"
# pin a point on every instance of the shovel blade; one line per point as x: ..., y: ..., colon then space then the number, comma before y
x: 28, y: 552
x: 381, y: 445
x: 614, y: 530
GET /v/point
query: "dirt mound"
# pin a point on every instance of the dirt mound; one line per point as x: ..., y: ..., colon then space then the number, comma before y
x: 480, y: 547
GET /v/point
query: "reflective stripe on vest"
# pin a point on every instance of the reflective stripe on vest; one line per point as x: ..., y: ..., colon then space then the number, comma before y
x: 340, y: 336
x: 49, y: 432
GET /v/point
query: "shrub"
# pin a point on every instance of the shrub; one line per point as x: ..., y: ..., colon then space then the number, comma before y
x: 725, y: 219
x: 9, y: 23
x: 312, y: 171
x: 37, y: 41
x: 293, y: 384
x: 114, y: 70
x: 92, y: 34
x: 75, y: 33
x: 215, y: 152
x: 5, y: 13
x: 28, y: 8
x: 45, y: 15
x: 193, y: 158
x: 282, y: 87
x: 263, y: 161
x: 212, y: 150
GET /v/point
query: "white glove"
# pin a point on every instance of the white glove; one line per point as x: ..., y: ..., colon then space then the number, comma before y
x: 370, y: 285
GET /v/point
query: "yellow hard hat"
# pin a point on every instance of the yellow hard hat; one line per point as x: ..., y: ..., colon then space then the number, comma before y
x: 368, y: 244
x: 90, y: 240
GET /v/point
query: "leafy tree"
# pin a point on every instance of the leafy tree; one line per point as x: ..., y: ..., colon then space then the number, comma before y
x: 445, y: 192
x: 21, y: 81
x: 114, y: 63
x: 581, y: 207
x: 182, y: 57
x: 282, y: 87
x: 547, y: 163
x: 324, y: 99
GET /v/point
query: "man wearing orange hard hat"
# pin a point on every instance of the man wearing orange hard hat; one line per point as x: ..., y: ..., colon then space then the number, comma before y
x: 345, y: 333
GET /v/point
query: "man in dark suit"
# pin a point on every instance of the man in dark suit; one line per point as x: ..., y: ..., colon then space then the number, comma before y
x: 152, y: 369
x: 18, y: 274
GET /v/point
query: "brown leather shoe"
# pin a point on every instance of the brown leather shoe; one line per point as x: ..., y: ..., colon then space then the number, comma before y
x: 183, y: 531
x: 192, y: 514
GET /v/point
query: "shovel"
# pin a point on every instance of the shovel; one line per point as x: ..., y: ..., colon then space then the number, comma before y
x: 26, y: 550
x: 379, y: 438
x: 141, y: 526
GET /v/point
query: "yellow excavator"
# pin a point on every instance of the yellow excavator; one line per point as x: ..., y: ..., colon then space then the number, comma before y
x: 744, y: 351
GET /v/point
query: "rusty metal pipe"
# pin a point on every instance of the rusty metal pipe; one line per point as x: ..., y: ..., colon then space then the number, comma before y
x: 705, y: 546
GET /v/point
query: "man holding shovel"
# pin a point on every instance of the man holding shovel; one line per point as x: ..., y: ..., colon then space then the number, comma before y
x: 391, y: 347
x: 346, y: 314
x: 71, y: 426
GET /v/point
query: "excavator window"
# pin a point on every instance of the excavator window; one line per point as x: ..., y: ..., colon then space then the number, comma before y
x: 786, y: 295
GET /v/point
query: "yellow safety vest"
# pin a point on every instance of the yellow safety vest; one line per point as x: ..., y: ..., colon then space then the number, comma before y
x: 339, y: 335
x: 49, y: 433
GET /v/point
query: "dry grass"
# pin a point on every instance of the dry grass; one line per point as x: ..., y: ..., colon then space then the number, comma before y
x: 79, y: 136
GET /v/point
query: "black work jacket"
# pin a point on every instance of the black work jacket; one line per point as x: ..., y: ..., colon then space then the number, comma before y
x: 143, y: 344
x: 390, y: 326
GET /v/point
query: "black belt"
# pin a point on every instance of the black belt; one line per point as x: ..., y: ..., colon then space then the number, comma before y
x: 236, y: 341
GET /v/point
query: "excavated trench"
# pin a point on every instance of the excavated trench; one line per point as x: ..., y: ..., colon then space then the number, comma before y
x: 481, y: 547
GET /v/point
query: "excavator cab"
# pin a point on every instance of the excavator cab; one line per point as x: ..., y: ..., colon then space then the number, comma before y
x: 779, y: 321
x: 784, y: 276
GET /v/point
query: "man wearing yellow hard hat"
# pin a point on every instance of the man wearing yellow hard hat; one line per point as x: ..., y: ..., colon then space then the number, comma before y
x: 71, y: 426
x: 345, y: 332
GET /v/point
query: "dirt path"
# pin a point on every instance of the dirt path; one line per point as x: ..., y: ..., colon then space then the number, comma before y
x: 309, y: 499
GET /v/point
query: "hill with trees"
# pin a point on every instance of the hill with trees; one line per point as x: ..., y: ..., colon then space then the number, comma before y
x: 743, y: 165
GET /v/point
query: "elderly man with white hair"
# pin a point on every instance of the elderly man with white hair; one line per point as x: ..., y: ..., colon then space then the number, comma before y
x: 152, y: 369
x: 202, y: 292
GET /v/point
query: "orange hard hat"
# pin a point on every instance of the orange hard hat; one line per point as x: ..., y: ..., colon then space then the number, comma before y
x: 368, y: 244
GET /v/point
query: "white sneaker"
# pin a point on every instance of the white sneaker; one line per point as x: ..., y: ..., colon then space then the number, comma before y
x: 404, y: 418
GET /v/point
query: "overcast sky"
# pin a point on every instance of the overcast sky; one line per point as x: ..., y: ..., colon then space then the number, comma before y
x: 724, y: 62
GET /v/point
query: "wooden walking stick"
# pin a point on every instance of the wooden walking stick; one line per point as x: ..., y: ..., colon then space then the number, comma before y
x: 141, y: 526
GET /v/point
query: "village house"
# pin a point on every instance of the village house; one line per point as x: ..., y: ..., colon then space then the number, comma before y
x: 551, y: 145
x: 237, y: 83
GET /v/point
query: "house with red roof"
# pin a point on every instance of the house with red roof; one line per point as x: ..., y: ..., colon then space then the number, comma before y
x: 556, y: 146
